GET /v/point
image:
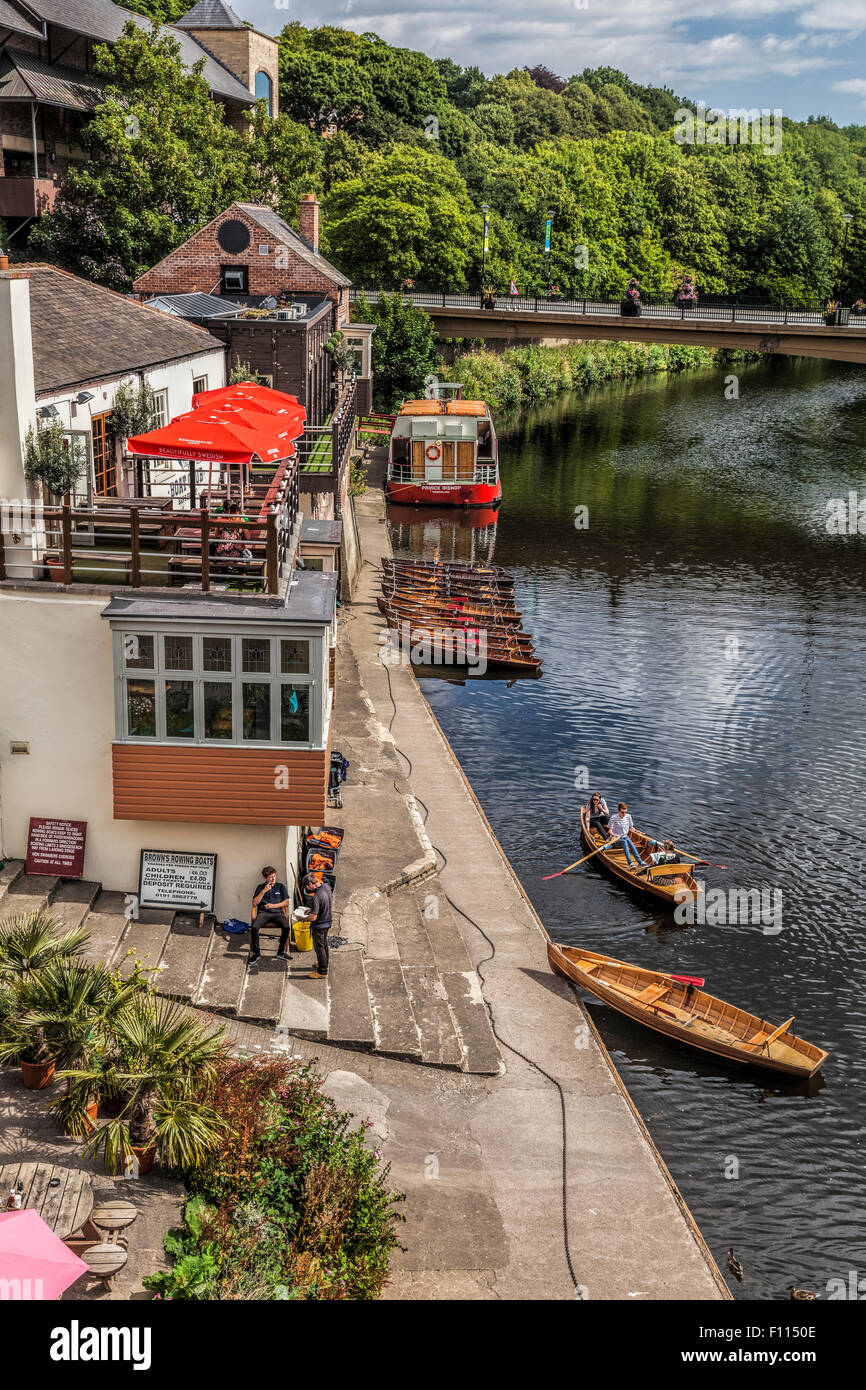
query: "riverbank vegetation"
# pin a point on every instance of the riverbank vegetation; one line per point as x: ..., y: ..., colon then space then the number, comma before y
x: 403, y: 150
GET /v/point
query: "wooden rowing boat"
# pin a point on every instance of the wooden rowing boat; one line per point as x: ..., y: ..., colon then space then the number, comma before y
x: 666, y: 883
x: 687, y: 1014
x: 450, y: 613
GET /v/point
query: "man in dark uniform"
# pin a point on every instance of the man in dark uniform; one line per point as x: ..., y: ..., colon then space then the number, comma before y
x: 320, y: 923
x: 270, y: 908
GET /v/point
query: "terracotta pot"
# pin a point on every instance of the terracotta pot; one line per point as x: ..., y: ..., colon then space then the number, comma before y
x: 35, y: 1075
x: 145, y: 1158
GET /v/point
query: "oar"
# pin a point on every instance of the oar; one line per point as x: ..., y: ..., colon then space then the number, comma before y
x: 560, y: 872
x: 697, y: 859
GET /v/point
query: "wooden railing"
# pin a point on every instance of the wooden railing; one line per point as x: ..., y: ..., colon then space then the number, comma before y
x: 147, y: 543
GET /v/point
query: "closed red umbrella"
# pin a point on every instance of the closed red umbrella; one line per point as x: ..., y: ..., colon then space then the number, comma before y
x: 34, y: 1262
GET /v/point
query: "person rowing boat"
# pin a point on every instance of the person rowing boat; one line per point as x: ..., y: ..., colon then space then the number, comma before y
x: 619, y: 827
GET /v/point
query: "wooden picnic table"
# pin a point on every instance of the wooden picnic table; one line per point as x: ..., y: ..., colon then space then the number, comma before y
x: 64, y: 1207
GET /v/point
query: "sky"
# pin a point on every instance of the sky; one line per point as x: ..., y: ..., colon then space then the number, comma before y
x: 804, y: 57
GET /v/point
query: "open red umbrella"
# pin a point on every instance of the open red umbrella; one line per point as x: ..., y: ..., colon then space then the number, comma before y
x: 34, y: 1262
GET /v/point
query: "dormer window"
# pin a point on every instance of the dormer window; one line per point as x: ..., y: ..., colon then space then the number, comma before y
x: 234, y: 279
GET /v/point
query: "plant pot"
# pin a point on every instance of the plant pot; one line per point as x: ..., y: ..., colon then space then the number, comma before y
x: 144, y: 1158
x: 91, y: 1114
x: 37, y: 1075
x: 55, y: 568
x: 629, y: 309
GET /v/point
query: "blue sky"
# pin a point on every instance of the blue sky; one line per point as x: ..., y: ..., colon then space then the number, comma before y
x: 804, y: 56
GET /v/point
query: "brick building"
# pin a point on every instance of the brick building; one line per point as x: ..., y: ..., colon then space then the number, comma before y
x: 250, y: 258
x: 48, y: 87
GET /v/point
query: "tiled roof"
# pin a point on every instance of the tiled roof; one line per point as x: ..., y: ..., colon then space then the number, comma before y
x: 82, y: 332
x: 281, y: 231
x: 25, y: 78
x: 101, y: 19
x: 210, y: 14
x: 15, y: 17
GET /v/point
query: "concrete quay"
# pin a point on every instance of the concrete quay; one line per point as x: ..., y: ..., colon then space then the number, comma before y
x: 493, y: 1165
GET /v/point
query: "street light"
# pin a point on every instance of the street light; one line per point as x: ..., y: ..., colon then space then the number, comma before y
x: 547, y: 226
x: 847, y: 218
x: 485, y: 208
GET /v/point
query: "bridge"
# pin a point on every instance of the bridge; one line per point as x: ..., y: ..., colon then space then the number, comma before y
x: 793, y: 331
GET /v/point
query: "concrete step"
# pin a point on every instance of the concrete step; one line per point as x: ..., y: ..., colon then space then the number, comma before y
x: 12, y: 869
x: 183, y: 958
x: 262, y: 996
x: 350, y: 1018
x: 393, y: 1020
x: 443, y: 931
x: 304, y: 1007
x: 410, y: 930
x: 223, y: 977
x: 143, y: 942
x: 480, y: 1051
x: 440, y: 1044
x: 106, y: 923
x: 29, y: 893
x: 72, y: 902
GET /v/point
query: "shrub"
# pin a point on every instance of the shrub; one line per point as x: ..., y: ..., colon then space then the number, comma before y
x: 290, y: 1204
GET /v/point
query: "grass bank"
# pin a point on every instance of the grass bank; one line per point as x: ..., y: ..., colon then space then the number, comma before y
x: 521, y: 376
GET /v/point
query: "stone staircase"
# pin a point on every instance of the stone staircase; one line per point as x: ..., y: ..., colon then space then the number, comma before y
x: 400, y: 983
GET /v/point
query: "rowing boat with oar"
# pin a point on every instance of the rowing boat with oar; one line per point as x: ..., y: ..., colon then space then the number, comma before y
x: 667, y: 883
x: 449, y: 624
x: 679, y: 1010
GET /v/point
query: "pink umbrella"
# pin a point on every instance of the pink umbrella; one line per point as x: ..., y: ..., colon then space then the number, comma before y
x: 34, y: 1262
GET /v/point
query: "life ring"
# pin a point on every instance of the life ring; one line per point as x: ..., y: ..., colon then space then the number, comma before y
x: 433, y: 451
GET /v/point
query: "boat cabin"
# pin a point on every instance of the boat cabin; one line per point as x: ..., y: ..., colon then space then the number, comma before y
x: 446, y: 451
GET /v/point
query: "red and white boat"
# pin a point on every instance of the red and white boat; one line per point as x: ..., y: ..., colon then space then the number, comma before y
x: 444, y: 453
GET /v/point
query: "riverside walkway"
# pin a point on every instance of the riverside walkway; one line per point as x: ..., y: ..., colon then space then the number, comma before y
x: 795, y: 331
x: 483, y: 1158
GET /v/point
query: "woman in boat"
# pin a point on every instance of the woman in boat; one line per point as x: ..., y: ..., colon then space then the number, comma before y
x: 599, y: 815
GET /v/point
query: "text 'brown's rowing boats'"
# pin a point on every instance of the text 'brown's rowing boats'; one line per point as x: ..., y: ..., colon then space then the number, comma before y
x: 668, y: 883
x: 687, y: 1014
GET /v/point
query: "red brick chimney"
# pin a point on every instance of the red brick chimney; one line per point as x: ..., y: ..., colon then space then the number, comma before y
x: 308, y: 214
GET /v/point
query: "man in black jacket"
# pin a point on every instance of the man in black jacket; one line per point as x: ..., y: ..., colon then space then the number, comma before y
x: 320, y: 923
x: 270, y: 908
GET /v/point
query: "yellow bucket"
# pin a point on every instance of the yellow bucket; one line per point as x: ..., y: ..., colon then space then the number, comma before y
x: 303, y: 935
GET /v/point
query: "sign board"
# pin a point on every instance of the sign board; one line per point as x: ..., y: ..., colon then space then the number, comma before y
x: 56, y: 847
x: 173, y: 878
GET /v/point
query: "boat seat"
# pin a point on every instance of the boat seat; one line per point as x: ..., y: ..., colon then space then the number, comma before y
x: 652, y: 993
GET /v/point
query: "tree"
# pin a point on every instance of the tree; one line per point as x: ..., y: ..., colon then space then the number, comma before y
x: 404, y: 348
x: 410, y: 217
x: 543, y: 77
x: 161, y: 162
x: 53, y: 458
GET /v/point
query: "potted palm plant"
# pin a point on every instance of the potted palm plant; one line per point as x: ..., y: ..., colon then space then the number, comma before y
x: 831, y: 312
x: 161, y: 1057
x: 29, y: 946
x: 74, y: 1004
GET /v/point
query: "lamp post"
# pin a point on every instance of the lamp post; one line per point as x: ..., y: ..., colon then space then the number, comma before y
x: 547, y: 226
x: 847, y: 218
x: 485, y: 208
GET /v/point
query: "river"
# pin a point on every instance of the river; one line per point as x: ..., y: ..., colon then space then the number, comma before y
x: 703, y: 643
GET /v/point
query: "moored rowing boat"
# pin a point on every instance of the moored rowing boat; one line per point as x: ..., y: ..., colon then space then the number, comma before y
x: 669, y: 1006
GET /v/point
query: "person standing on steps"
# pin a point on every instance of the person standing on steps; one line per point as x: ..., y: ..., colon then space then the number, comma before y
x: 270, y: 908
x: 320, y: 923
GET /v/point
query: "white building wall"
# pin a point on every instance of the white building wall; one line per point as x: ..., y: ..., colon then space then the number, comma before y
x: 57, y: 694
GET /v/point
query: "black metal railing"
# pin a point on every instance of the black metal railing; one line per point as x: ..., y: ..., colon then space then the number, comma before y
x: 710, y: 309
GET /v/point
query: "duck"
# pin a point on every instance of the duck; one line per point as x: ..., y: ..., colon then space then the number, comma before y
x: 802, y: 1293
x: 735, y: 1267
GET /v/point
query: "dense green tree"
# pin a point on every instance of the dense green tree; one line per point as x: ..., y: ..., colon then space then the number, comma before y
x: 161, y: 161
x: 408, y: 217
x: 404, y: 349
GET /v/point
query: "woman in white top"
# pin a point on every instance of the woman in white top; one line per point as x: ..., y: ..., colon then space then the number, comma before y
x: 619, y: 827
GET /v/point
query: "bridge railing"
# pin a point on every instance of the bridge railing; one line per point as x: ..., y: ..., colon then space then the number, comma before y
x: 710, y: 309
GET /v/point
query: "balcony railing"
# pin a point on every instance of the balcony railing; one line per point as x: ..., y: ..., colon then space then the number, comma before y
x: 144, y: 542
x: 324, y: 450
